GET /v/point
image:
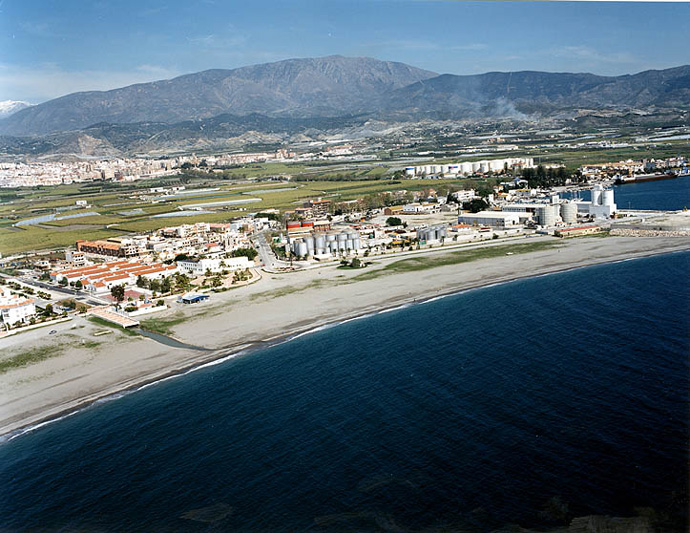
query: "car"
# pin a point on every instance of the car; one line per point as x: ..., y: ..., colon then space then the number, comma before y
x: 52, y: 332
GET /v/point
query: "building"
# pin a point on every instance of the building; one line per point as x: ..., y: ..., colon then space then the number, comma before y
x: 15, y: 308
x: 602, y: 204
x: 200, y: 266
x: 76, y: 259
x: 499, y: 219
x: 115, y: 247
x: 100, y: 278
x: 192, y: 298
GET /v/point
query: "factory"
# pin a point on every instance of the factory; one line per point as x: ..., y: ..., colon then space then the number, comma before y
x: 499, y: 219
x: 437, y: 233
x: 602, y: 205
x: 326, y: 244
x: 467, y: 168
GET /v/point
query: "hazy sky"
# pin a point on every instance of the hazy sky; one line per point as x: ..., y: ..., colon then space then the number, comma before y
x: 53, y: 47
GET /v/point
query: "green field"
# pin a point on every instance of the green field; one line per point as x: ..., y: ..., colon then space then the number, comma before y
x: 124, y: 212
x: 125, y: 209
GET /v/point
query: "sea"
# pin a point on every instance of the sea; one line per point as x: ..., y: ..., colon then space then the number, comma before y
x: 663, y: 195
x: 529, y: 403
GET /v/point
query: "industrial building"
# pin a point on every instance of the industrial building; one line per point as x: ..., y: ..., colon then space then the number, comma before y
x: 432, y: 233
x: 320, y: 244
x: 499, y: 219
x: 465, y: 168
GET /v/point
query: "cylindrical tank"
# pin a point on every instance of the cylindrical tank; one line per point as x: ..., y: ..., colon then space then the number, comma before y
x: 333, y: 246
x: 302, y: 250
x: 608, y: 197
x: 331, y: 237
x: 349, y: 244
x: 569, y: 212
x: 320, y: 241
x: 546, y: 215
x: 356, y: 243
x: 308, y: 224
x: 341, y: 237
x: 596, y: 195
x: 310, y: 243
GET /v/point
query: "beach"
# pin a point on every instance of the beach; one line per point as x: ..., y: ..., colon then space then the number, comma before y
x: 90, y: 365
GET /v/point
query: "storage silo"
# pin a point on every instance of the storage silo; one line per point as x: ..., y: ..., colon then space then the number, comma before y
x: 319, y: 243
x: 597, y: 194
x: 608, y: 197
x: 302, y: 250
x: 569, y: 212
x: 546, y: 215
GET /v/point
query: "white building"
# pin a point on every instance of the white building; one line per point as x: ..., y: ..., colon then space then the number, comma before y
x: 602, y: 205
x: 500, y: 219
x: 15, y: 308
x: 200, y: 266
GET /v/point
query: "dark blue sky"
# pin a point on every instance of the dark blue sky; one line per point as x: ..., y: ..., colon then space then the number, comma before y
x: 53, y: 47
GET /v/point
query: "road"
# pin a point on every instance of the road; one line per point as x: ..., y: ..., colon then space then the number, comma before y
x: 268, y: 258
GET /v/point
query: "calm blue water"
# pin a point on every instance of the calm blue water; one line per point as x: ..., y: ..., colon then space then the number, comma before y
x: 473, y: 411
x: 664, y: 195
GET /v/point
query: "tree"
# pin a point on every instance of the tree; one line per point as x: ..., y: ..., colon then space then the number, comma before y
x: 49, y: 310
x: 166, y: 284
x: 393, y: 221
x: 475, y: 205
x: 155, y: 285
x: 63, y: 282
x: 142, y: 282
x: 118, y: 292
x: 79, y: 285
x: 249, y: 253
x: 356, y: 263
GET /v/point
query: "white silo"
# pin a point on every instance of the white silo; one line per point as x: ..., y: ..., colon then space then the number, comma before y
x: 608, y: 197
x: 547, y: 215
x: 597, y: 195
x: 569, y: 212
x: 302, y: 249
x: 320, y: 242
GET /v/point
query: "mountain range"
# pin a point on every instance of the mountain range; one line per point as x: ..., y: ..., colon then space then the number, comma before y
x: 299, y: 94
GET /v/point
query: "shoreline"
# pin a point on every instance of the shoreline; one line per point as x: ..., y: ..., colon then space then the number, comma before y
x: 32, y: 420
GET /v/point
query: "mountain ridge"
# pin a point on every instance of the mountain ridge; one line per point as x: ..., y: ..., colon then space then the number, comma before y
x: 329, y: 94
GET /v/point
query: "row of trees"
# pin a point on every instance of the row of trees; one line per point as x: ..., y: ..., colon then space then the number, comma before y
x: 542, y: 177
x: 170, y: 284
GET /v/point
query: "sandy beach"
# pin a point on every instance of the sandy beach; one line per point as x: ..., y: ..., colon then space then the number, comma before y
x: 93, y: 361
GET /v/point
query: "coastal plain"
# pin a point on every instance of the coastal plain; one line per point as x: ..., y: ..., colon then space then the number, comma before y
x: 84, y: 362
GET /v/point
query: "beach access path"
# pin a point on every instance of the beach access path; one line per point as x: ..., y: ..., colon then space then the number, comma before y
x: 86, y: 364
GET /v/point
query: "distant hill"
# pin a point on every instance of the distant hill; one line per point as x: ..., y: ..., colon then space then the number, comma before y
x: 514, y: 93
x: 329, y: 86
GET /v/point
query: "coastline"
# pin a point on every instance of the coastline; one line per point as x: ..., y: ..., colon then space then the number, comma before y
x: 293, y: 306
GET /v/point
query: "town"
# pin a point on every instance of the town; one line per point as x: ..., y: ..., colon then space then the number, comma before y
x: 120, y: 278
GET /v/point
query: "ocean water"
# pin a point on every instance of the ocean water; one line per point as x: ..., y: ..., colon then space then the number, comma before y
x: 526, y: 403
x: 664, y: 195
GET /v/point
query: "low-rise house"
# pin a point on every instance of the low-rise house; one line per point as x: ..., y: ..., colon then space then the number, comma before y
x: 15, y: 308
